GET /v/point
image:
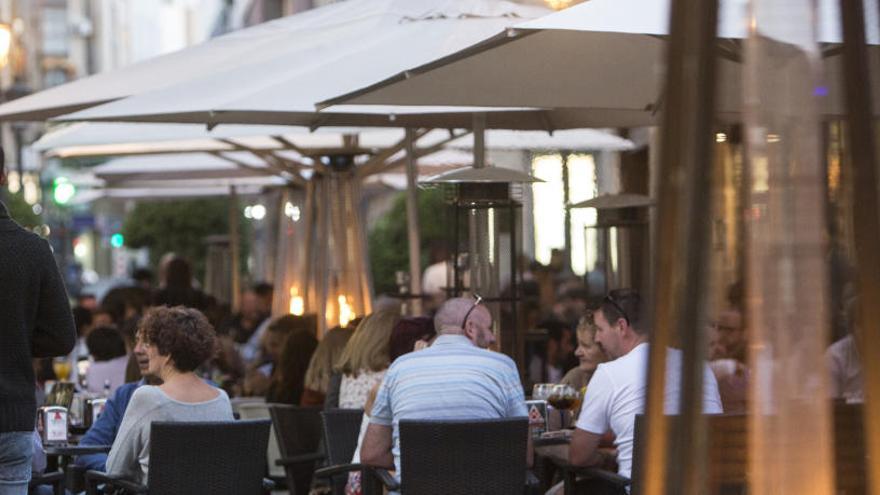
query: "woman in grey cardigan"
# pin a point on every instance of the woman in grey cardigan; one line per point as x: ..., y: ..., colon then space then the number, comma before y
x: 176, y: 340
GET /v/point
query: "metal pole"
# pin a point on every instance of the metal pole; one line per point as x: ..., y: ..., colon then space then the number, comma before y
x: 682, y: 249
x: 412, y: 224
x: 866, y: 224
x: 479, y: 140
x: 566, y: 200
x: 234, y: 248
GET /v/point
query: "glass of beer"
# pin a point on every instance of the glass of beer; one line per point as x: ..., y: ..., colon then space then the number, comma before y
x: 563, y: 397
x: 62, y: 369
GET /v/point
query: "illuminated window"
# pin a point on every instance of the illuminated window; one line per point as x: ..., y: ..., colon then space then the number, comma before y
x: 549, y: 209
x: 548, y: 206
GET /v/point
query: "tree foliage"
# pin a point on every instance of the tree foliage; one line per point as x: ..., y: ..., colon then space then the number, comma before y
x: 180, y: 226
x: 20, y: 211
x: 388, y: 245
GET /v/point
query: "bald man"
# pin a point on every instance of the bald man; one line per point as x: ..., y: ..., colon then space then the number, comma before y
x: 470, y: 382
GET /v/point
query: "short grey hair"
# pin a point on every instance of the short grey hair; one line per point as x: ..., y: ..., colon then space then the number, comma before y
x: 449, y: 317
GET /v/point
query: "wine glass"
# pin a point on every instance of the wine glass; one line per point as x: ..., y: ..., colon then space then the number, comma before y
x: 541, y: 391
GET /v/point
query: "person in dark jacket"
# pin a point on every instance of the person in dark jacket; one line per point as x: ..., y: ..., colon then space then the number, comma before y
x: 35, y: 322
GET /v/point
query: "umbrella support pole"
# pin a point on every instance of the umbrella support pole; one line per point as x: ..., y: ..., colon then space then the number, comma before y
x: 235, y: 250
x: 412, y: 224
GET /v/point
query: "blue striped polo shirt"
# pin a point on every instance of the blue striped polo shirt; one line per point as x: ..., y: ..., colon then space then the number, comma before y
x: 452, y: 379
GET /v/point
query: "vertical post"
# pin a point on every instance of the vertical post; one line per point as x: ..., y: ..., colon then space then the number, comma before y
x: 479, y: 140
x: 866, y: 223
x: 412, y: 224
x: 682, y: 235
x: 566, y: 200
x: 234, y: 248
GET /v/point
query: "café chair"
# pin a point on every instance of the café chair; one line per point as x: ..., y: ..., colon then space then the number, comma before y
x: 299, y: 438
x: 725, y: 461
x: 483, y: 457
x: 341, y: 430
x: 259, y: 409
x: 54, y: 479
x: 199, y: 457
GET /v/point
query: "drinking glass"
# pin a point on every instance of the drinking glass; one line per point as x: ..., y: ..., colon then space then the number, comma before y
x: 541, y: 391
x: 62, y: 369
x: 562, y: 397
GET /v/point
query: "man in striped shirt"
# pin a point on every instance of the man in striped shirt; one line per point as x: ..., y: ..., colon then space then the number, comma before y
x: 456, y: 378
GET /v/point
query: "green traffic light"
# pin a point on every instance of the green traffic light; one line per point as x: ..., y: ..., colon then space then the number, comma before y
x: 117, y: 240
x: 63, y: 191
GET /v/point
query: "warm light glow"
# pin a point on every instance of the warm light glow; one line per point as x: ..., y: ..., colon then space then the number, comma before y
x: 5, y: 43
x: 560, y: 4
x: 720, y: 137
x: 297, y: 306
x: 345, y: 311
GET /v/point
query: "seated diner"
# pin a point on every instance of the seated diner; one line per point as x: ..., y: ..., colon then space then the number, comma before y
x: 176, y: 340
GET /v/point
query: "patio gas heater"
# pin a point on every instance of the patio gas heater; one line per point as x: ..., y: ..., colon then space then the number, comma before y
x: 622, y: 234
x: 323, y: 268
x: 486, y: 213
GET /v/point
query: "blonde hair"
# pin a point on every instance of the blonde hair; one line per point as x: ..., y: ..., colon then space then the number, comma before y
x: 328, y: 351
x: 368, y: 348
x: 587, y: 324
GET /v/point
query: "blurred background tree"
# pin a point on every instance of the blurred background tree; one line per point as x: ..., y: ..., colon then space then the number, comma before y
x: 181, y: 226
x: 388, y: 246
x: 20, y: 211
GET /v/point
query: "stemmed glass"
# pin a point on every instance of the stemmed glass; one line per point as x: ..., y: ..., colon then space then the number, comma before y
x: 541, y: 391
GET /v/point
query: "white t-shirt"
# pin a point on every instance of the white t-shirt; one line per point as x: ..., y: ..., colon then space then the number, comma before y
x: 616, y: 393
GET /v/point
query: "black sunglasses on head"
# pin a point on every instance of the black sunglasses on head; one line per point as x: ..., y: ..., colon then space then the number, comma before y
x: 477, y: 300
x: 611, y: 299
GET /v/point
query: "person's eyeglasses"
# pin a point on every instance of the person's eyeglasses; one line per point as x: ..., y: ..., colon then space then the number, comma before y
x: 477, y: 300
x: 610, y: 300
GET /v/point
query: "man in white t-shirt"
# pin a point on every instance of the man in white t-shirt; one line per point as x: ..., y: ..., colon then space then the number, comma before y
x: 616, y: 392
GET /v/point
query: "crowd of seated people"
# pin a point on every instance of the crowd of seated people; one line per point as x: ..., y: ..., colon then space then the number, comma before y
x: 172, y: 353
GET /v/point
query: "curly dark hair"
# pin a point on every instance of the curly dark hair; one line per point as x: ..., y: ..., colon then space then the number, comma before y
x: 182, y: 333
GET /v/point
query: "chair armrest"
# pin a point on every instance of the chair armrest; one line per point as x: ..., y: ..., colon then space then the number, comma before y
x: 338, y: 469
x: 380, y: 474
x: 385, y: 477
x: 598, y: 473
x: 46, y: 478
x: 93, y: 478
x: 299, y: 459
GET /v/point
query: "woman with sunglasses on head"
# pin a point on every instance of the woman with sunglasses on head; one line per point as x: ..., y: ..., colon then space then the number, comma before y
x: 176, y: 341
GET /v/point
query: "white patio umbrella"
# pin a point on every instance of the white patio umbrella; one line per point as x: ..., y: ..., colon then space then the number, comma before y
x: 601, y: 56
x: 370, y: 41
x: 187, y: 170
x: 122, y: 138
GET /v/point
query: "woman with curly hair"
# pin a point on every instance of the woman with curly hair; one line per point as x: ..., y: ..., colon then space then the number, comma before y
x: 176, y: 340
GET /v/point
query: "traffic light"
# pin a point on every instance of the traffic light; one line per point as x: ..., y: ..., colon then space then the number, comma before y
x: 117, y: 240
x: 62, y: 190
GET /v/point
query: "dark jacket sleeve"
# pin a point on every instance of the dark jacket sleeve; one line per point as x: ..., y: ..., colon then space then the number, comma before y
x: 54, y: 329
x: 103, y: 432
